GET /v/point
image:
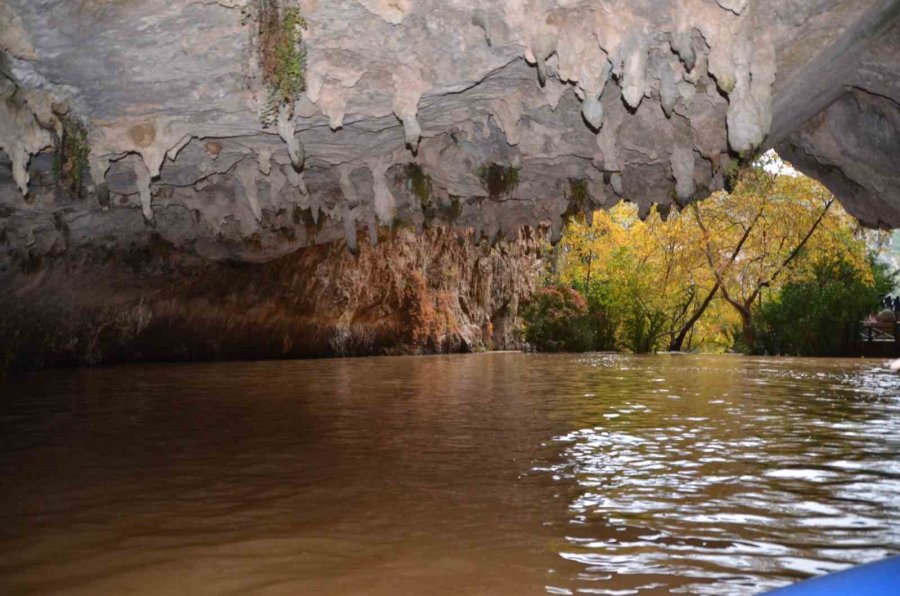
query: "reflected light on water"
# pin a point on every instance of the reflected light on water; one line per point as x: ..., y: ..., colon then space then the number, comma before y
x: 480, y: 474
x: 795, y: 473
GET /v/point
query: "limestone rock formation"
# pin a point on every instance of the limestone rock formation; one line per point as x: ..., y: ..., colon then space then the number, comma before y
x: 436, y: 292
x: 648, y: 100
x: 236, y: 131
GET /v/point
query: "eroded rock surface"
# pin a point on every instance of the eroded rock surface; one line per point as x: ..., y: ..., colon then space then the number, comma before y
x: 132, y: 128
x: 649, y: 100
x: 435, y: 292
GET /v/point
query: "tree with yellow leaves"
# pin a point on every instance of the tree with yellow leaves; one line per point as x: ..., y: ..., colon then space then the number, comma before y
x: 754, y: 236
x: 646, y: 275
x: 688, y: 280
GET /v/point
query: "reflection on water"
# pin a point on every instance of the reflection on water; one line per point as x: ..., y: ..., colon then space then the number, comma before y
x: 482, y: 474
x: 731, y: 474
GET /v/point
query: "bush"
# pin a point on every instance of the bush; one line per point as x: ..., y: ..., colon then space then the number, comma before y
x: 558, y: 320
x: 821, y: 316
x: 601, y: 316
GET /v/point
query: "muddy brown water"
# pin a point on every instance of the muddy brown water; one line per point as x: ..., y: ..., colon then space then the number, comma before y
x: 481, y: 474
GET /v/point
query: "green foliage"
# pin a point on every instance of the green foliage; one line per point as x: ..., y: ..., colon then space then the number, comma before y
x: 453, y: 210
x: 557, y: 320
x: 601, y: 315
x: 731, y: 170
x: 821, y: 315
x: 634, y: 273
x: 578, y: 192
x: 498, y: 180
x: 418, y: 182
x: 281, y: 54
x: 70, y: 162
x: 579, y: 198
x: 569, y: 319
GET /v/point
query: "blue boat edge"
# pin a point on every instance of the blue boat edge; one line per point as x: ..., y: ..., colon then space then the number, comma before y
x: 881, y: 578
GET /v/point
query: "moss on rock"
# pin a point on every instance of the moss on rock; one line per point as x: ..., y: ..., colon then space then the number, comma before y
x: 498, y: 180
x: 282, y: 57
x: 70, y: 164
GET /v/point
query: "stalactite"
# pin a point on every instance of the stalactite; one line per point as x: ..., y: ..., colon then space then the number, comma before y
x: 248, y: 174
x: 634, y: 75
x: 142, y: 175
x: 288, y: 133
x: 682, y: 164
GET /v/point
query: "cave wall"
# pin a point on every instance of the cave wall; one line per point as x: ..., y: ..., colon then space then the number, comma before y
x: 434, y: 292
x: 142, y: 165
x: 838, y: 119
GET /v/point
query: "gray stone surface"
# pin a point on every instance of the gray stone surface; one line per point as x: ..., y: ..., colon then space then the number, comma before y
x: 647, y: 100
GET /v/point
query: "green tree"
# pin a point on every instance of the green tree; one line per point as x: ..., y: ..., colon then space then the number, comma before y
x: 557, y: 320
x: 821, y: 314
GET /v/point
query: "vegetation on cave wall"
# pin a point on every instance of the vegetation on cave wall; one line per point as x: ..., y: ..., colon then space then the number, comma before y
x: 434, y: 292
x: 730, y: 272
x: 282, y: 57
x: 70, y: 161
x: 498, y: 180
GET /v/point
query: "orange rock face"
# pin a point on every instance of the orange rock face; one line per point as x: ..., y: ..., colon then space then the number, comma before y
x: 437, y: 292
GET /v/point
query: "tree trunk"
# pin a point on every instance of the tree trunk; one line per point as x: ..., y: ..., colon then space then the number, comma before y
x: 587, y: 282
x: 748, y: 330
x: 678, y: 341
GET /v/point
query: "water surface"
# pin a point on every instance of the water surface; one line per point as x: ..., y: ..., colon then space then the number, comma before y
x: 481, y: 474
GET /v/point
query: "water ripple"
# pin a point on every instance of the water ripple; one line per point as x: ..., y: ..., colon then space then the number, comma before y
x: 768, y: 471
